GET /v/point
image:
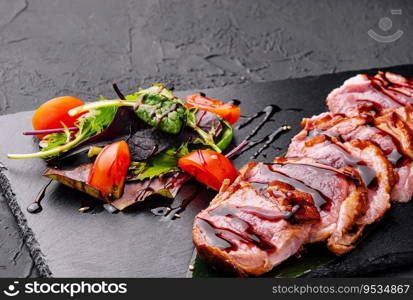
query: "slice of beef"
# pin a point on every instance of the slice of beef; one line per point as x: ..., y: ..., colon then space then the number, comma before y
x: 241, y: 242
x: 380, y: 189
x: 403, y: 113
x: 335, y: 180
x: 361, y: 158
x: 393, y: 124
x: 396, y: 86
x: 347, y: 201
x: 267, y: 214
x: 361, y: 93
x: 388, y: 132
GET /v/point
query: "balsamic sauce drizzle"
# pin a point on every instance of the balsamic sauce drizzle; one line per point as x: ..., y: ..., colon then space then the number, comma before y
x: 225, y: 238
x: 261, y: 213
x: 268, y: 140
x: 396, y: 155
x: 35, y: 207
x: 267, y: 111
x: 321, y: 201
x: 216, y: 236
x: 229, y: 237
x: 367, y: 174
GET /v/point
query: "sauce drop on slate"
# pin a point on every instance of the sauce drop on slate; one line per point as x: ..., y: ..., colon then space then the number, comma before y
x: 35, y: 207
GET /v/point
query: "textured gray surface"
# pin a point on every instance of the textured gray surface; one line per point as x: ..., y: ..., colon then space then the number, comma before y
x: 80, y: 47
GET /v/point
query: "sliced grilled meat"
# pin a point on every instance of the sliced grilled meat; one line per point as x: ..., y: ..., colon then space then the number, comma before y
x: 336, y: 179
x: 388, y: 132
x: 363, y: 94
x: 267, y: 214
x: 396, y: 87
x: 403, y: 113
x: 339, y: 216
x: 361, y: 158
x: 392, y: 123
x: 243, y: 242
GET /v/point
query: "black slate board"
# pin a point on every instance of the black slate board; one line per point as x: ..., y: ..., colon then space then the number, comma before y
x: 137, y: 243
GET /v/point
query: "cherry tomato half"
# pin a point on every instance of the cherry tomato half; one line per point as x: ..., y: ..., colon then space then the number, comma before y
x: 229, y: 112
x: 110, y: 168
x: 208, y: 167
x: 51, y: 113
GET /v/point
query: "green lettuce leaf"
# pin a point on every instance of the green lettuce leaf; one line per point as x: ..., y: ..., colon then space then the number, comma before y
x: 158, y: 107
x: 53, y: 140
x: 95, y: 121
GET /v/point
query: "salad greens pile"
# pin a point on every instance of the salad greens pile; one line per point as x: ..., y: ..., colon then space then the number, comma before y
x: 184, y: 129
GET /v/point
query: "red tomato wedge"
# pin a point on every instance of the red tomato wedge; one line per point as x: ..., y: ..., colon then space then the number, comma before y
x: 208, y: 167
x: 110, y: 168
x: 52, y: 113
x: 229, y: 112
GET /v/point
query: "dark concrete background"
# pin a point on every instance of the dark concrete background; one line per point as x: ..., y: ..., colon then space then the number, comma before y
x: 78, y: 47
